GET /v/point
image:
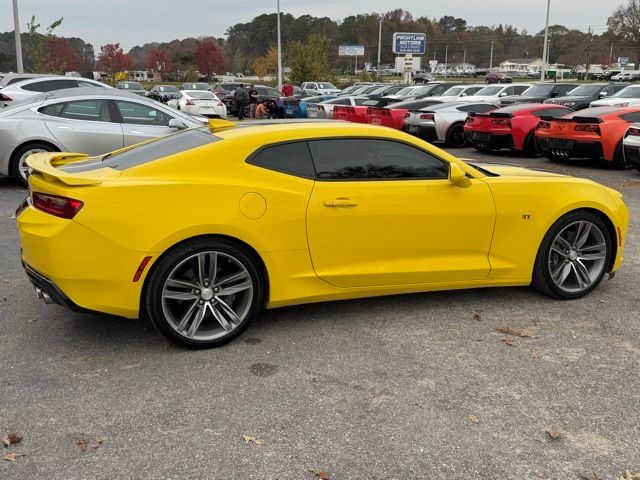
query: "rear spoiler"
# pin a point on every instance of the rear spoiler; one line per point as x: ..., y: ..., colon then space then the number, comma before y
x: 47, y: 164
x: 548, y: 118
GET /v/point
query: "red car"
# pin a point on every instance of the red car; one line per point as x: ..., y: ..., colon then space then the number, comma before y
x: 591, y: 133
x: 497, y: 78
x: 388, y: 117
x: 356, y: 113
x: 509, y: 127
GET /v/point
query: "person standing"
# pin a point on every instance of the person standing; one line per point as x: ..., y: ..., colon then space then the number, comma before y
x: 253, y: 100
x: 241, y: 96
x: 287, y: 89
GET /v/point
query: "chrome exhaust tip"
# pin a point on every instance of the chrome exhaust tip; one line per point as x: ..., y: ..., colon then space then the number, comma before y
x: 39, y: 293
x: 42, y: 295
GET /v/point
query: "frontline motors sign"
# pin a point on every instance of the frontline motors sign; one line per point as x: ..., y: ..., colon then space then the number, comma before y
x: 414, y: 43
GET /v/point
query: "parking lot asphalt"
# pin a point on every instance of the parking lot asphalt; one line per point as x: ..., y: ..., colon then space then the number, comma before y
x: 406, y: 387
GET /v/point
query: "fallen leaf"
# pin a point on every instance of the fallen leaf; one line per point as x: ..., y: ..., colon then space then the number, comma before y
x: 536, y: 355
x: 82, y: 444
x: 320, y: 473
x: 11, y: 456
x: 249, y: 439
x: 536, y: 322
x: 510, y: 331
x: 96, y: 443
x: 555, y: 434
x: 508, y: 342
x: 474, y: 419
x: 476, y: 316
x: 11, y: 437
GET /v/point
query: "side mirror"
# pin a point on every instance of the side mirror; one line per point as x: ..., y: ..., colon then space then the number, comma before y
x: 457, y: 175
x: 503, y: 94
x: 602, y: 94
x: 175, y: 123
x: 463, y: 94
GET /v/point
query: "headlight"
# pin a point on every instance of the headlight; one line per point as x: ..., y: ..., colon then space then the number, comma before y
x: 624, y: 104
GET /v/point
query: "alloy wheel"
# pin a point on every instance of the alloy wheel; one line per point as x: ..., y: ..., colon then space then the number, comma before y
x: 577, y: 257
x: 23, y: 168
x: 207, y: 295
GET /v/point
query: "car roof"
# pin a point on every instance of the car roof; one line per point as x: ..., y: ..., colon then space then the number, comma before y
x: 81, y: 92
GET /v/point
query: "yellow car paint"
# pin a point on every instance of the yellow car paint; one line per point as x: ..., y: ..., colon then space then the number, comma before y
x: 400, y: 237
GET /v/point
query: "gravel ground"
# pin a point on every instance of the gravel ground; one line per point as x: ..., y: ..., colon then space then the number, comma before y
x: 404, y: 387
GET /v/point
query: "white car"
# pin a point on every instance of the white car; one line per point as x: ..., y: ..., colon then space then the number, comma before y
x: 319, y: 88
x: 631, y: 144
x: 199, y: 102
x: 460, y: 92
x: 494, y: 92
x: 626, y: 97
x: 444, y: 121
x: 325, y: 109
x: 28, y: 88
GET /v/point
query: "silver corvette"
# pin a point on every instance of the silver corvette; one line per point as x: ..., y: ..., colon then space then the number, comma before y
x: 81, y: 120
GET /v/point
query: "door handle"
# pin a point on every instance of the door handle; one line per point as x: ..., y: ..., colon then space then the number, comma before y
x: 340, y: 202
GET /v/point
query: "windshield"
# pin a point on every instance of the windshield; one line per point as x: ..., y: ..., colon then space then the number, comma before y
x: 632, y: 91
x: 196, y: 86
x: 586, y: 90
x: 407, y: 91
x: 131, y: 86
x: 168, y: 88
x: 327, y: 86
x: 453, y: 91
x: 201, y: 94
x: 489, y: 91
x: 538, y: 90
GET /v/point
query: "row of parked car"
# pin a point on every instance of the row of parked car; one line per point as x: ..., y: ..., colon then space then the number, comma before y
x: 559, y: 120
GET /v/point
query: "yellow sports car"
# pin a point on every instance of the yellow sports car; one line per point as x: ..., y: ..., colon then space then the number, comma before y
x: 202, y: 229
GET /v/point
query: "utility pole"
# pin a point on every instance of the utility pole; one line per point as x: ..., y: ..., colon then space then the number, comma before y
x: 545, y: 51
x: 588, y: 50
x: 446, y: 60
x: 279, y: 49
x: 379, y: 48
x: 491, y: 58
x: 611, y: 55
x: 16, y: 28
x: 464, y: 61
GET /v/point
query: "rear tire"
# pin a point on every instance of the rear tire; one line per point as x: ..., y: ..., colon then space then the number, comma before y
x: 18, y: 167
x: 456, y: 137
x: 204, y: 293
x: 573, y: 256
x: 619, y: 161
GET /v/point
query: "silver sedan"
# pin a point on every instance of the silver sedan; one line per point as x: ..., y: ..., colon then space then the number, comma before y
x: 82, y: 120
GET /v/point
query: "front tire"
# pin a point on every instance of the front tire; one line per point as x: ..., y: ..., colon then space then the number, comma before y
x: 204, y: 293
x: 18, y: 167
x: 573, y: 256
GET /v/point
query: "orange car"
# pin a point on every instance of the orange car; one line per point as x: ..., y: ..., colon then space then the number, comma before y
x: 591, y: 133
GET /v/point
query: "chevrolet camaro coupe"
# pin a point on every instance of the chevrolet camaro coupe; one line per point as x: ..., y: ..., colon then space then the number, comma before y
x: 201, y: 230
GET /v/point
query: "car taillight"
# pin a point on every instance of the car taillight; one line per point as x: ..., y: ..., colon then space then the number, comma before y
x: 587, y: 128
x: 220, y: 104
x: 635, y: 132
x: 62, y: 207
x: 469, y: 120
x: 426, y: 116
x: 506, y: 123
x: 321, y: 108
x: 544, y: 125
x: 190, y: 102
x: 4, y: 98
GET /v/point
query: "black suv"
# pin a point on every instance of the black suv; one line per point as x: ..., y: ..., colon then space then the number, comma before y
x: 582, y: 96
x: 539, y: 92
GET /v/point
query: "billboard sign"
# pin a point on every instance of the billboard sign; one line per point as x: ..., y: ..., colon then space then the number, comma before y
x: 414, y: 43
x: 407, y: 64
x: 351, y: 50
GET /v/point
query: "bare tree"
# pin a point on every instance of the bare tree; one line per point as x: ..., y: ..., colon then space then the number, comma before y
x: 625, y: 23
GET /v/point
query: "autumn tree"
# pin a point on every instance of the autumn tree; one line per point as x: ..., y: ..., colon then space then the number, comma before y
x: 266, y: 64
x: 112, y: 60
x: 61, y: 56
x: 209, y: 57
x: 160, y: 61
x: 625, y: 23
x: 36, y: 46
x: 309, y: 61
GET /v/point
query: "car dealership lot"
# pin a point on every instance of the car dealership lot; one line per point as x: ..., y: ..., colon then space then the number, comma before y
x: 415, y: 386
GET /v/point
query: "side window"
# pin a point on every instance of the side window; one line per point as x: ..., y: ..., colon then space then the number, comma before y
x: 518, y: 89
x: 33, y: 87
x: 138, y: 114
x: 563, y: 89
x: 88, y: 84
x: 290, y: 158
x: 51, y: 85
x: 53, y: 110
x: 631, y: 117
x: 608, y: 90
x: 371, y: 159
x: 510, y: 91
x: 88, y: 110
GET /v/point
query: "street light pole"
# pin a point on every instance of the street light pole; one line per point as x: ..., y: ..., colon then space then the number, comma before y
x: 16, y: 27
x: 446, y: 60
x: 491, y: 58
x: 279, y: 49
x: 379, y: 47
x: 545, y: 51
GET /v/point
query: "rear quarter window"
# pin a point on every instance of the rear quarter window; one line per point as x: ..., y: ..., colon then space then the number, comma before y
x: 290, y: 158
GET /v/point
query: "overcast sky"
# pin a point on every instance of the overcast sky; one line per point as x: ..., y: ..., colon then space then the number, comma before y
x: 135, y: 22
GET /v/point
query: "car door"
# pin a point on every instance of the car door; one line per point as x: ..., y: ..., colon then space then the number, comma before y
x: 141, y: 122
x: 83, y: 126
x: 383, y: 212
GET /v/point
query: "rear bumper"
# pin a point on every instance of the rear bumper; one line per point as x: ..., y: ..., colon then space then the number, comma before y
x: 569, y: 149
x: 49, y: 291
x: 488, y: 139
x: 427, y: 133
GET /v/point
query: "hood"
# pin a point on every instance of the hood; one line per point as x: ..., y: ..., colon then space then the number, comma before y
x: 513, y: 170
x: 567, y: 99
x: 522, y: 99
